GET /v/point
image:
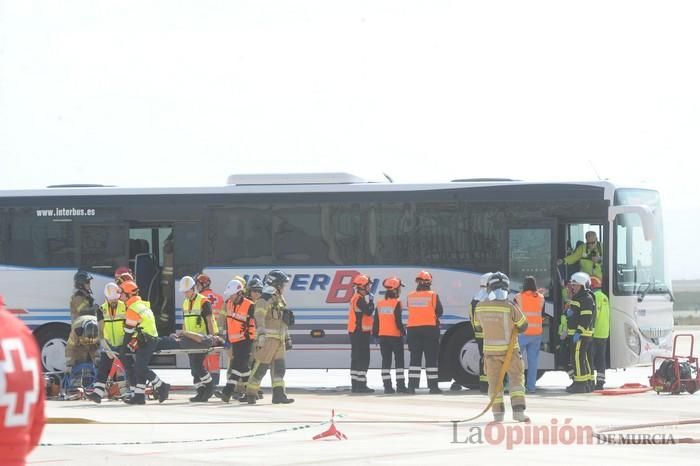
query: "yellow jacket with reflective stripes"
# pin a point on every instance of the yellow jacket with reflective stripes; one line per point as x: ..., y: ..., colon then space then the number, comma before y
x: 496, y: 319
x: 113, y: 330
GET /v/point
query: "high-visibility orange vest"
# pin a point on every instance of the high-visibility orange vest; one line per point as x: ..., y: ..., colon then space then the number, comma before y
x: 387, y: 320
x: 531, y: 302
x: 240, y: 324
x: 366, y: 320
x: 421, y: 309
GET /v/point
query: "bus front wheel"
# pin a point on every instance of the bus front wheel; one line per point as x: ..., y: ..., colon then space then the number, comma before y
x: 52, y: 339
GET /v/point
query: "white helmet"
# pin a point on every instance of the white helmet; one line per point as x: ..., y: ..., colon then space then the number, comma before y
x: 232, y: 288
x: 112, y: 291
x: 484, y: 280
x: 581, y: 278
x: 186, y: 283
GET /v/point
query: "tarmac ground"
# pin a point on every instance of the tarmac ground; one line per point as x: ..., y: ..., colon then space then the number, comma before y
x: 381, y: 429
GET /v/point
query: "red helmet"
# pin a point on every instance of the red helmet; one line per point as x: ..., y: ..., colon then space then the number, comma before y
x: 392, y: 283
x: 361, y: 281
x: 203, y: 280
x: 129, y: 288
x: 424, y: 276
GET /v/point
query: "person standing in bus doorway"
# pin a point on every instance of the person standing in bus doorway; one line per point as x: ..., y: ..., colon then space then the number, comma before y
x: 199, y: 319
x: 141, y: 337
x: 498, y: 318
x: 213, y: 361
x: 581, y: 317
x: 240, y: 330
x: 389, y: 328
x: 531, y: 303
x: 424, y: 312
x: 360, y: 325
x: 21, y: 423
x: 601, y: 332
x: 589, y: 256
x: 272, y: 321
x: 167, y: 282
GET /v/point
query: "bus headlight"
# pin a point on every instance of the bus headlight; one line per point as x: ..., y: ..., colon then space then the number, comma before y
x: 632, y: 338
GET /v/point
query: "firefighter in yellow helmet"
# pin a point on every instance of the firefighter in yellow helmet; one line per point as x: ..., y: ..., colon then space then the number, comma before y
x: 272, y: 320
x: 199, y: 319
x: 498, y: 318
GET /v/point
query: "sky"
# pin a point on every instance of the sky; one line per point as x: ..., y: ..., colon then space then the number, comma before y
x: 164, y: 93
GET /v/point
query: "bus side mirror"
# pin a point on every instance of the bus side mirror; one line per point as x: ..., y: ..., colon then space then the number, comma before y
x: 645, y: 214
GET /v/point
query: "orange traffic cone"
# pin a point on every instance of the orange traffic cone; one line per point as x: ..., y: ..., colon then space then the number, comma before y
x: 332, y: 431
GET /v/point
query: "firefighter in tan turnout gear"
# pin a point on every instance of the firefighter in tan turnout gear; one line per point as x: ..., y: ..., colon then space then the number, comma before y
x: 498, y: 318
x: 272, y: 320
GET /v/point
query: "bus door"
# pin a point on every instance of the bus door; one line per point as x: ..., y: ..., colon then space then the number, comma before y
x: 531, y: 253
x: 150, y: 252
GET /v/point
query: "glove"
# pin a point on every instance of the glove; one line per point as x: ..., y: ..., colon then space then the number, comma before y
x: 576, y: 338
x: 288, y: 344
x: 259, y: 342
x: 569, y: 313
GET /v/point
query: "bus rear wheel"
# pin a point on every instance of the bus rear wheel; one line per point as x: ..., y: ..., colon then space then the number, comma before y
x: 52, y: 340
x: 462, y: 357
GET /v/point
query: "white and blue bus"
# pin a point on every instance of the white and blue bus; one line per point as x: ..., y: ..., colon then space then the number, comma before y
x: 322, y: 229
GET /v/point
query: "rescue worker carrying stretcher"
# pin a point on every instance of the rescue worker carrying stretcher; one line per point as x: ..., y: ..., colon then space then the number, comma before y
x: 359, y: 329
x: 198, y: 318
x: 424, y: 312
x: 141, y: 337
x: 389, y: 328
x: 498, y: 318
x: 272, y: 320
x: 240, y: 330
x: 212, y: 363
x: 580, y: 320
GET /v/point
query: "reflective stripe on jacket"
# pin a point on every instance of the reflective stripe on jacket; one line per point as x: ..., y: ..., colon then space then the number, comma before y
x: 531, y: 303
x: 193, y: 320
x: 113, y: 330
x: 366, y: 320
x: 496, y: 318
x: 138, y: 314
x: 387, y: 318
x: 240, y: 324
x: 422, y: 309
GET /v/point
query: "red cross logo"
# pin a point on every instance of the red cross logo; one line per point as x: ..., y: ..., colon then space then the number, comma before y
x: 19, y: 382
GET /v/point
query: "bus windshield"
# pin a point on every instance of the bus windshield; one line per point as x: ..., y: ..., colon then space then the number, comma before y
x: 639, y: 264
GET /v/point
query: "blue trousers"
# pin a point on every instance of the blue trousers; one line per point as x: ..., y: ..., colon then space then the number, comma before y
x: 530, y: 348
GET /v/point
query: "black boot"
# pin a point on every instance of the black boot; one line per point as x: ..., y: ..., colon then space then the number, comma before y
x: 246, y: 398
x: 136, y: 399
x: 600, y: 385
x: 455, y: 387
x: 260, y: 395
x: 226, y: 393
x: 401, y: 386
x: 388, y: 389
x: 577, y: 387
x: 412, y: 387
x: 94, y: 397
x: 198, y: 397
x: 434, y: 389
x: 353, y: 386
x: 163, y: 392
x: 279, y: 397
